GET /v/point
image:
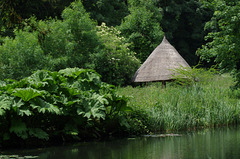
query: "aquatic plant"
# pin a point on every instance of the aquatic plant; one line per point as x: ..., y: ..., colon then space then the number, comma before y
x: 202, y: 104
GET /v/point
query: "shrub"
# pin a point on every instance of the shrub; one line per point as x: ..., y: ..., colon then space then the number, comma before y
x: 190, y: 76
x: 70, y: 104
x: 21, y: 56
x: 115, y: 61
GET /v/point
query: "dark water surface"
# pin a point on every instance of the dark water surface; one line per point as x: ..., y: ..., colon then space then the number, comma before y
x: 221, y: 143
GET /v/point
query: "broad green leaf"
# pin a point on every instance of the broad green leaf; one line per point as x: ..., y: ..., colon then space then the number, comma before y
x: 5, y: 104
x: 71, y: 72
x: 17, y: 104
x: 40, y: 79
x: 39, y: 133
x: 27, y: 94
x: 100, y: 98
x: 98, y: 112
x: 43, y: 106
x: 23, y: 112
x: 19, y: 128
x: 94, y: 108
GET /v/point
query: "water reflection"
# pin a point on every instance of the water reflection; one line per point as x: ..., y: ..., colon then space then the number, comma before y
x: 214, y: 144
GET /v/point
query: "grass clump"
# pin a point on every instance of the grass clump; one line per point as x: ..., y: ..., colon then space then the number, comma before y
x: 206, y: 103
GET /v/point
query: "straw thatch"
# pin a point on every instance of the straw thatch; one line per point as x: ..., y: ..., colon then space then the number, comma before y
x: 160, y: 64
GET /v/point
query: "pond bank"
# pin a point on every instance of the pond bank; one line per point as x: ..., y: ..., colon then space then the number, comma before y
x: 210, y: 103
x: 208, y: 143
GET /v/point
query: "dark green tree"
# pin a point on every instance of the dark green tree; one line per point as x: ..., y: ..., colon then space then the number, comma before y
x: 14, y: 12
x: 69, y: 42
x: 110, y: 12
x: 142, y: 27
x: 183, y: 23
x: 223, y: 43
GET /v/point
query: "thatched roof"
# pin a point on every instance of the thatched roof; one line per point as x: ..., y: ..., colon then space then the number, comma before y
x: 160, y: 63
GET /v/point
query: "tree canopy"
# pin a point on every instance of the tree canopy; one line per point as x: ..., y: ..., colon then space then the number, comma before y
x: 72, y: 41
x: 111, y: 12
x: 69, y: 36
x: 183, y: 23
x: 142, y: 27
x: 223, y: 39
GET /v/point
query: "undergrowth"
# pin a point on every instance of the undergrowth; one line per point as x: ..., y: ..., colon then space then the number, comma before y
x: 71, y: 104
x: 208, y: 102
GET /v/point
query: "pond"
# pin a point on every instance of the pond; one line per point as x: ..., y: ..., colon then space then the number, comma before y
x: 206, y: 144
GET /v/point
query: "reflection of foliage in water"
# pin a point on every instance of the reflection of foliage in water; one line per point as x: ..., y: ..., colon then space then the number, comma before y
x: 17, y: 157
x: 198, y: 144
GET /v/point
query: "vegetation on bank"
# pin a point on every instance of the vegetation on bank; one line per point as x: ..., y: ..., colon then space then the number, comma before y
x: 207, y: 103
x: 70, y: 105
x: 73, y: 41
x: 73, y: 104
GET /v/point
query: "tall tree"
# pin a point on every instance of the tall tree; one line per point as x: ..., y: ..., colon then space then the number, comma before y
x: 183, y: 23
x: 13, y: 12
x: 224, y: 37
x: 142, y: 27
x: 110, y: 12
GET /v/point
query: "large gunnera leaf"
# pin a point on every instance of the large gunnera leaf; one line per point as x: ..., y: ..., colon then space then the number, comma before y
x: 5, y: 104
x: 27, y: 93
x: 19, y: 128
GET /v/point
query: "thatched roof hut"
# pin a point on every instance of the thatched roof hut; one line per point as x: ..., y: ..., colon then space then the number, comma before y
x: 160, y: 64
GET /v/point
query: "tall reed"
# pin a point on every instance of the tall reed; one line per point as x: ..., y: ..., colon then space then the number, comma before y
x: 204, y: 104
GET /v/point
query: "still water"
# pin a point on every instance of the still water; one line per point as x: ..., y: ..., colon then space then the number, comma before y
x: 222, y: 143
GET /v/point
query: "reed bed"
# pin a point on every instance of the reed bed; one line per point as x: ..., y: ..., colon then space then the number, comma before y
x: 208, y: 103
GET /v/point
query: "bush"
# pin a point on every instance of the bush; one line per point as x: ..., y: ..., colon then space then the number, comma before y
x: 115, y: 61
x: 70, y: 104
x: 21, y: 56
x: 190, y: 76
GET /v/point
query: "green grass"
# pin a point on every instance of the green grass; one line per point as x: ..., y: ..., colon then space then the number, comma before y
x: 208, y: 103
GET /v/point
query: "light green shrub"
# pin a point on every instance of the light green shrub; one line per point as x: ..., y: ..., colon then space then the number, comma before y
x: 20, y: 56
x: 115, y: 61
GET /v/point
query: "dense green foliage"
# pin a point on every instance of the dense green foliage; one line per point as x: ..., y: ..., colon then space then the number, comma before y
x: 110, y: 12
x: 70, y: 42
x: 115, y: 60
x: 183, y: 23
x: 74, y: 41
x: 224, y: 37
x: 13, y: 12
x: 207, y: 103
x: 70, y: 104
x: 106, y: 35
x: 20, y: 56
x: 142, y: 28
x: 141, y: 22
